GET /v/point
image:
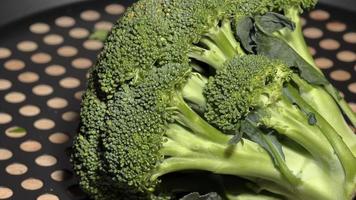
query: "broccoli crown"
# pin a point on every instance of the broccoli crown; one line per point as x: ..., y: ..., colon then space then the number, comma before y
x: 86, y: 158
x: 154, y: 33
x: 137, y: 119
x: 119, y: 141
x: 245, y: 83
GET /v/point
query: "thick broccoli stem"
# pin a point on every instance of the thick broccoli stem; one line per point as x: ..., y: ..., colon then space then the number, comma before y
x: 288, y: 120
x: 219, y: 44
x: 224, y: 38
x: 193, y: 144
x: 321, y: 101
x: 287, y: 173
x: 187, y: 150
x: 188, y: 117
x: 295, y: 40
x: 344, y: 154
x: 213, y: 57
x: 275, y: 154
x: 193, y: 90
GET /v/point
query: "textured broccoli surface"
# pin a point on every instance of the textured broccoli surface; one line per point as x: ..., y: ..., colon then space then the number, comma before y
x: 196, y: 93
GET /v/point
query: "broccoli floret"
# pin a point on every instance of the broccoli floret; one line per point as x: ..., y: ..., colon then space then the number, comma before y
x: 152, y: 131
x: 154, y: 33
x: 287, y: 42
x: 278, y: 37
x: 255, y: 94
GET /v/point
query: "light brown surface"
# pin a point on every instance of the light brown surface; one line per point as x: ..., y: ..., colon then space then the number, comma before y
x: 53, y: 39
x: 27, y: 46
x: 65, y: 21
x: 346, y: 56
x: 28, y: 77
x: 47, y: 197
x: 336, y: 26
x: 30, y: 146
x: 46, y: 160
x: 79, y: 33
x: 93, y: 45
x: 5, y: 154
x: 313, y: 33
x: 58, y: 138
x: 39, y: 28
x: 4, y: 53
x: 324, y: 63
x: 55, y: 70
x: 14, y: 65
x: 15, y: 97
x: 32, y: 184
x: 29, y: 110
x: 16, y: 169
x: 57, y: 103
x: 42, y: 90
x: 5, y: 118
x: 44, y: 124
x: 78, y: 95
x: 5, y: 192
x: 340, y: 75
x: 67, y: 51
x: 115, y: 9
x: 5, y: 84
x: 70, y: 116
x: 60, y: 175
x: 320, y: 15
x: 82, y: 63
x: 329, y: 44
x: 90, y: 15
x: 352, y: 87
x: 350, y: 37
x: 69, y: 82
x: 103, y: 25
x: 41, y: 58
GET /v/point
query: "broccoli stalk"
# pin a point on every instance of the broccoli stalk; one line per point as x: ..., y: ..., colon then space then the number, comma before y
x: 295, y: 39
x: 277, y: 37
x: 317, y: 95
x: 217, y: 45
x: 190, y: 143
x: 265, y: 95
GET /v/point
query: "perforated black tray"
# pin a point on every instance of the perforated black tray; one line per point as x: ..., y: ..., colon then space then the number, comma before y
x: 43, y: 65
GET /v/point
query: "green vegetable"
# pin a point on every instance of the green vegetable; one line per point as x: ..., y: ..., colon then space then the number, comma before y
x: 100, y: 35
x: 210, y: 97
x: 18, y: 130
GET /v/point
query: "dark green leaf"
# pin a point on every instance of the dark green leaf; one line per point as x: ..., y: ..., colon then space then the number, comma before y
x: 276, y: 48
x: 276, y: 144
x: 252, y: 131
x: 196, y: 196
x: 267, y: 141
x: 256, y: 36
x: 293, y: 96
x: 272, y: 22
x: 244, y: 31
x: 236, y: 138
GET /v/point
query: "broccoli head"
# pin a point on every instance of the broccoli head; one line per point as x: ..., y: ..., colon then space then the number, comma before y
x: 201, y: 91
